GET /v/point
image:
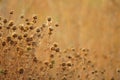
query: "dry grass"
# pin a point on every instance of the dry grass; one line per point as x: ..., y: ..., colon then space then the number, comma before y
x: 91, y: 24
x: 20, y: 41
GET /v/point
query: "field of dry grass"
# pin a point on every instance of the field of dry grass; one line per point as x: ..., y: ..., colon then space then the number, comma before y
x: 85, y: 46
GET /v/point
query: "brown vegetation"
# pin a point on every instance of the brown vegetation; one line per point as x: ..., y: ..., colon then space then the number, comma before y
x: 91, y: 24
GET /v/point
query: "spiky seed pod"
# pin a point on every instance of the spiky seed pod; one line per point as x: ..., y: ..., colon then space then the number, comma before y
x: 55, y: 45
x: 46, y: 63
x: 34, y: 17
x: 0, y: 35
x: 43, y: 25
x: 63, y: 64
x: 39, y: 35
x: 34, y: 21
x: 35, y: 59
x: 14, y: 35
x: 29, y: 39
x: 69, y: 64
x: 5, y: 21
x: 8, y: 27
x: 13, y: 42
x: 57, y: 50
x: 50, y: 33
x: 22, y: 17
x: 34, y: 44
x: 28, y: 23
x: 11, y: 12
x: 31, y: 27
x: 37, y: 30
x: 26, y: 20
x: 26, y: 29
x: 19, y: 37
x: 56, y: 25
x: 0, y: 18
x: 52, y: 48
x: 29, y: 44
x: 49, y: 19
x: 0, y: 27
x: 11, y: 23
x: 50, y: 29
x: 4, y: 43
x: 69, y: 57
x: 21, y: 71
x: 8, y: 39
x: 25, y: 35
x: 14, y: 28
x: 21, y: 27
x: 51, y: 55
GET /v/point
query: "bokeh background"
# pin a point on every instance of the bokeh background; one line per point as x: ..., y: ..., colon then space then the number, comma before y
x: 92, y: 24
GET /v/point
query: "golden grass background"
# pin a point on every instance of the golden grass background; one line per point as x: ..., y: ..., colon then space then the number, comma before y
x: 92, y: 24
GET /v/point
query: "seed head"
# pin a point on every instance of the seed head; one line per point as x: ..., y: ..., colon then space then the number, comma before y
x: 15, y: 35
x: 8, y: 27
x: 8, y: 39
x: 0, y: 27
x: 5, y: 21
x: 11, y: 12
x: 51, y: 55
x: 31, y: 27
x: 49, y: 19
x: 35, y: 59
x: 4, y: 43
x: 38, y: 30
x: 25, y: 35
x: 22, y: 17
x: 14, y: 28
x: 0, y: 18
x: 56, y: 25
x: 21, y: 71
x: 50, y: 29
x: 34, y: 43
x: 0, y: 35
x: 57, y: 50
x: 63, y: 64
x: 43, y: 25
x: 34, y: 17
x: 19, y: 37
x: 55, y: 44
x: 26, y: 20
x: 11, y: 23
x: 29, y: 39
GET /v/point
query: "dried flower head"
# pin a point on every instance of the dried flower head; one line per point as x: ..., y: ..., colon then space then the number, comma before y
x: 14, y: 28
x: 5, y: 21
x: 49, y: 19
x: 8, y: 39
x: 22, y: 17
x: 34, y: 17
x: 11, y: 23
x: 55, y: 45
x: 38, y: 30
x: 11, y: 12
x: 3, y: 43
x: 14, y: 35
x: 0, y: 27
x: 56, y: 25
x: 25, y: 35
x: 21, y: 71
x: 19, y: 37
x: 31, y: 27
x: 57, y: 49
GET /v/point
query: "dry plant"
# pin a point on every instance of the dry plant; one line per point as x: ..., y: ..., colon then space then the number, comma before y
x: 19, y: 42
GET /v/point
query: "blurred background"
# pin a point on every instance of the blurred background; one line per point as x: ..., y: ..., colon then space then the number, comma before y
x: 92, y: 24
